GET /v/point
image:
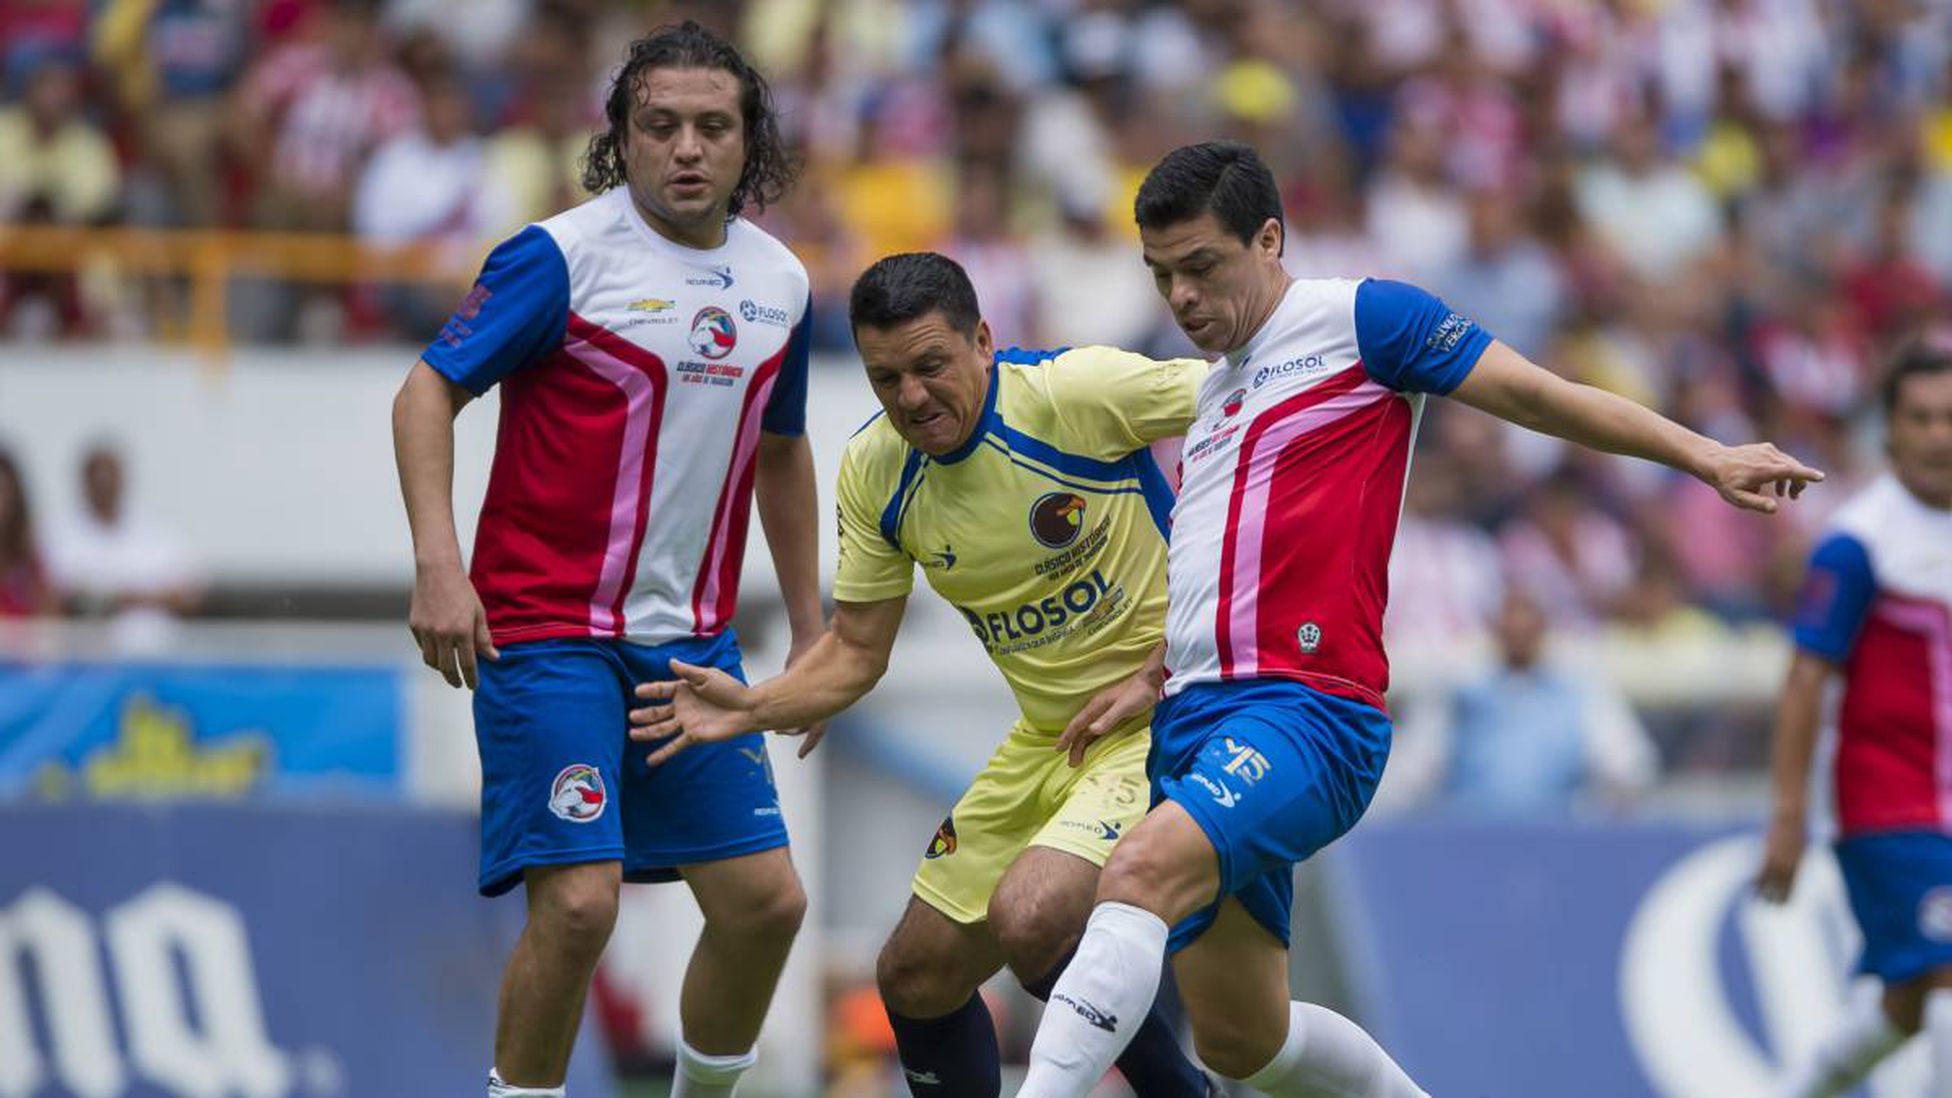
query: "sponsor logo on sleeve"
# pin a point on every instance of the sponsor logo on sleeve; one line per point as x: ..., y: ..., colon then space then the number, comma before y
x: 1449, y: 332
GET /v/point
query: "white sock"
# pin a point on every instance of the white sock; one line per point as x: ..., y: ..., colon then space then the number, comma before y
x: 499, y: 1089
x: 1938, y: 1030
x: 1846, y: 1054
x: 703, y: 1076
x: 1328, y: 1056
x: 1098, y: 1004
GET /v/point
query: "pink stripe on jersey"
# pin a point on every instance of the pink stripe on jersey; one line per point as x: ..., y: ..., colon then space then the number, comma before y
x: 1236, y: 625
x: 640, y: 375
x: 714, y: 599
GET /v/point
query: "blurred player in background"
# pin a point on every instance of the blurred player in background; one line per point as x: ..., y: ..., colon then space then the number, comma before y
x: 1022, y: 483
x: 1876, y: 613
x: 651, y: 348
x: 1272, y: 734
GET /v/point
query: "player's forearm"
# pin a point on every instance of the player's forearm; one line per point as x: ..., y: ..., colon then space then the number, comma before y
x: 833, y: 675
x: 788, y: 513
x: 423, y: 450
x: 1512, y: 389
x: 1795, y: 736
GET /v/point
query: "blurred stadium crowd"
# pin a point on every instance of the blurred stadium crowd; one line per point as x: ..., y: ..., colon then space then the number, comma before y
x: 1728, y: 209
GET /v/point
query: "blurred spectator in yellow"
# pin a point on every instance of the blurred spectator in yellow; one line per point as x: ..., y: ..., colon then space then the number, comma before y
x: 1528, y: 737
x: 55, y: 165
x: 108, y: 564
x: 318, y: 106
x: 24, y: 588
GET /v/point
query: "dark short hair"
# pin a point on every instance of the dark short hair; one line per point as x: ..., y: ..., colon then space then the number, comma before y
x: 911, y: 285
x: 769, y: 170
x: 1927, y: 354
x: 1226, y: 177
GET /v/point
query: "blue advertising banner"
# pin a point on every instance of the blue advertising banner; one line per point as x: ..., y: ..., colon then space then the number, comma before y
x: 219, y: 950
x: 165, y: 730
x: 1606, y: 960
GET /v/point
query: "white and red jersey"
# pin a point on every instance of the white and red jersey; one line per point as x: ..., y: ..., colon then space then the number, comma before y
x: 636, y: 376
x: 1878, y: 602
x: 1292, y: 481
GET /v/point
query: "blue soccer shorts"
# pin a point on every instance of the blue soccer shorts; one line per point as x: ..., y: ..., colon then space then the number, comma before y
x: 1272, y: 771
x: 562, y: 782
x: 1900, y: 888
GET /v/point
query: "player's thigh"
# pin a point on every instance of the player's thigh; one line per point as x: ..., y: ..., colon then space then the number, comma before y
x: 989, y: 827
x: 1166, y: 865
x: 1039, y: 908
x: 1233, y: 981
x: 709, y: 803
x: 931, y: 963
x: 550, y: 727
x: 757, y: 895
x: 1097, y: 803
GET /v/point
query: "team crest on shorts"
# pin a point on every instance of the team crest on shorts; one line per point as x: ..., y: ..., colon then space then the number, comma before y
x: 1935, y: 915
x: 577, y: 794
x: 945, y: 839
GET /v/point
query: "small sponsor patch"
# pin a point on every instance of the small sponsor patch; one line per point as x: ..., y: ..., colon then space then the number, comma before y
x: 1449, y: 332
x: 577, y: 794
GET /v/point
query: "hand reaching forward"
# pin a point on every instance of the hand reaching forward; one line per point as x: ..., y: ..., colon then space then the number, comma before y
x: 700, y: 705
x: 1746, y: 475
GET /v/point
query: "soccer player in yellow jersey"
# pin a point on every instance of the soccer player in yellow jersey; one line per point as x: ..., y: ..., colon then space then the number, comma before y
x: 1024, y: 486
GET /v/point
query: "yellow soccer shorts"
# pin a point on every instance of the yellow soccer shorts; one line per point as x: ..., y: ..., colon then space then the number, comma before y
x: 1030, y: 795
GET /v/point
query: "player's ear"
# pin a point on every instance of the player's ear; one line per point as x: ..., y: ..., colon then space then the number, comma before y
x: 985, y: 345
x: 1271, y: 237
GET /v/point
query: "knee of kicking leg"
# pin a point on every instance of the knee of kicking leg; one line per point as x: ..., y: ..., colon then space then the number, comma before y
x: 773, y: 917
x: 577, y: 910
x: 1149, y: 874
x: 915, y: 985
x: 1232, y: 1049
x: 1035, y: 929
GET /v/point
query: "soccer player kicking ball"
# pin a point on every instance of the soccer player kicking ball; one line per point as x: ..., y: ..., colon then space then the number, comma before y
x: 1877, y: 611
x: 651, y: 349
x: 1022, y: 484
x: 1272, y: 733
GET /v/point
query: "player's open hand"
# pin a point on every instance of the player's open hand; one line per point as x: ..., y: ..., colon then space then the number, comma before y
x: 1120, y: 707
x: 449, y: 625
x: 700, y: 705
x: 1755, y: 476
x: 1782, y: 852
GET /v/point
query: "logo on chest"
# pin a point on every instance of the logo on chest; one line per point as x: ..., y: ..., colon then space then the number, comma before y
x: 1056, y: 519
x: 713, y: 335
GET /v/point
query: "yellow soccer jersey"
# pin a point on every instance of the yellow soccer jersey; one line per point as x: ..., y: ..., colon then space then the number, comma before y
x: 1047, y: 529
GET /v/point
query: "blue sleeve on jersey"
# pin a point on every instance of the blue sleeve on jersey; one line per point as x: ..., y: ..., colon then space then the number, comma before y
x: 1837, y: 596
x: 516, y: 313
x: 786, y: 409
x: 1412, y: 342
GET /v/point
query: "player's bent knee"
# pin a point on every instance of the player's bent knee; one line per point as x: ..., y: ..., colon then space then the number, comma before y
x: 913, y: 984
x: 1233, y: 1051
x: 773, y: 917
x: 1035, y: 929
x: 578, y: 907
x: 1155, y: 876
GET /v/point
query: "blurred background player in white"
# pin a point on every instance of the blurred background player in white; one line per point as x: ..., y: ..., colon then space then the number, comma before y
x: 112, y: 564
x: 1024, y: 484
x: 1272, y: 736
x: 1876, y: 615
x: 652, y: 354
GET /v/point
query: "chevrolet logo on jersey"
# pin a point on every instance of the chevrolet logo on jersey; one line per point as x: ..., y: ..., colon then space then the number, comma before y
x: 651, y: 305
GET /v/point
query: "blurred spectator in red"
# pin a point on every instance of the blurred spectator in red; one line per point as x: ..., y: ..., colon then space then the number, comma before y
x: 109, y: 564
x: 1568, y: 553
x: 320, y: 106
x: 32, y: 31
x: 24, y: 588
x: 1892, y: 292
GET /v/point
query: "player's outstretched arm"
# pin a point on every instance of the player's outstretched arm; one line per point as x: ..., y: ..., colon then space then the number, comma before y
x: 1511, y: 387
x: 446, y: 617
x: 1117, y: 708
x: 705, y: 705
x: 1789, y: 774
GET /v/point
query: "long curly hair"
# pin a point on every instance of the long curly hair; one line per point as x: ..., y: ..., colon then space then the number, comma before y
x: 769, y: 170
